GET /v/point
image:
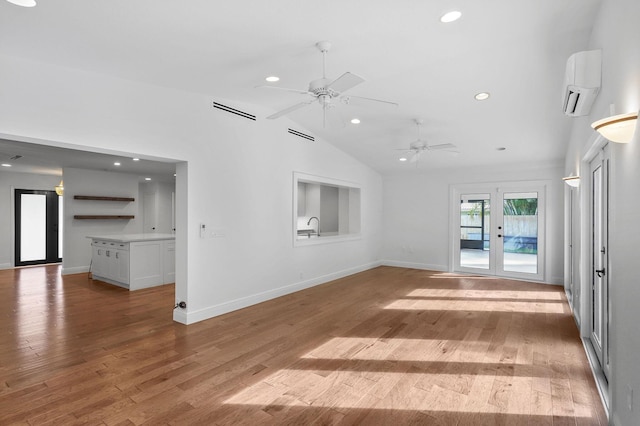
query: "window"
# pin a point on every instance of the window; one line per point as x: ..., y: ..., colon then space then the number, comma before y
x: 324, y: 210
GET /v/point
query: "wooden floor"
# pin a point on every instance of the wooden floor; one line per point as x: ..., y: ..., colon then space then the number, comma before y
x: 388, y: 346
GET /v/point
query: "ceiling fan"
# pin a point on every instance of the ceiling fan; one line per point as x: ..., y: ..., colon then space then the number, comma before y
x: 419, y: 146
x: 325, y: 91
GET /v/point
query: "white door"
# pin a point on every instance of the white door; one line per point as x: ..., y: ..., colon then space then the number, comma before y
x: 499, y: 231
x: 599, y: 168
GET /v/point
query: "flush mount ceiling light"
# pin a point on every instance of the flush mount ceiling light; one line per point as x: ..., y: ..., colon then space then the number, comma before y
x: 147, y: 178
x: 60, y: 188
x: 454, y: 15
x: 402, y: 159
x: 116, y: 164
x: 355, y: 121
x: 617, y: 128
x: 23, y: 3
x: 5, y: 165
x: 135, y: 159
x: 272, y: 79
x: 482, y: 96
x: 573, y: 181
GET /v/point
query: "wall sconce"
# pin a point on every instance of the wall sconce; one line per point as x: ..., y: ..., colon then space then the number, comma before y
x: 60, y: 188
x: 573, y: 181
x: 617, y: 128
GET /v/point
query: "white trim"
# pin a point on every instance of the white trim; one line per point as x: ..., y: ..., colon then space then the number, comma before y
x: 598, y: 375
x: 243, y: 302
x: 74, y: 270
x: 5, y: 266
x: 414, y: 265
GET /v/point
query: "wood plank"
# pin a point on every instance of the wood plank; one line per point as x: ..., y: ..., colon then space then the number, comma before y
x: 386, y: 346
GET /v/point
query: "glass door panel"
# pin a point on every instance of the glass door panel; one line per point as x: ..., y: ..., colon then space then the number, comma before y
x: 475, y: 229
x: 33, y: 226
x: 520, y: 238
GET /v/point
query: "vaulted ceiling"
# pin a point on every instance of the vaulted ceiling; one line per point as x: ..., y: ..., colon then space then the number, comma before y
x: 514, y: 50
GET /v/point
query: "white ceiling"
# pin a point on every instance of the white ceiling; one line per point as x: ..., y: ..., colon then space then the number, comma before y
x: 516, y: 50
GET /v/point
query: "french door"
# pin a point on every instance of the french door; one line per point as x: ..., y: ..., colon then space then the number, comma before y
x: 37, y: 227
x: 499, y: 230
x: 599, y: 203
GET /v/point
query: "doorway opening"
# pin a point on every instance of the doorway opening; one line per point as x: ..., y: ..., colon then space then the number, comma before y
x: 499, y: 230
x: 38, y: 227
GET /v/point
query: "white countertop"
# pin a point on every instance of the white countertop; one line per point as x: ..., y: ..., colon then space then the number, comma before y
x: 129, y: 238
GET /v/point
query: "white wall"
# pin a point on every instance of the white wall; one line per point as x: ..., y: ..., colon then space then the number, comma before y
x: 416, y: 214
x: 8, y: 182
x: 617, y: 33
x: 76, y: 245
x: 236, y: 177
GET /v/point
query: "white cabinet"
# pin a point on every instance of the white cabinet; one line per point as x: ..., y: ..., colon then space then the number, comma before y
x: 169, y: 263
x: 134, y: 265
x: 110, y: 261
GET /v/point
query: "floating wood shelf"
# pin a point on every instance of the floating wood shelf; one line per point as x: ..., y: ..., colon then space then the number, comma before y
x: 93, y: 216
x: 94, y: 197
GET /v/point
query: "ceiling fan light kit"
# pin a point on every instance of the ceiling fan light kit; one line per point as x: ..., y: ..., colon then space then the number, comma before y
x: 417, y: 147
x: 324, y: 90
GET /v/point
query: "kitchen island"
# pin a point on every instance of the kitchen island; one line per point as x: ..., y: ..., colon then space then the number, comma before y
x: 133, y: 261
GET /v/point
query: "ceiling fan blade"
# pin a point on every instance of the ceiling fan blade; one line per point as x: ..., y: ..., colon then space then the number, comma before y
x: 362, y: 100
x: 415, y: 157
x: 284, y: 89
x: 345, y: 82
x: 445, y: 146
x: 290, y: 109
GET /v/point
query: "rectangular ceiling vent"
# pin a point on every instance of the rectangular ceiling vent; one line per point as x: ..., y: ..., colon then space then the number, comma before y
x: 302, y: 135
x: 234, y: 111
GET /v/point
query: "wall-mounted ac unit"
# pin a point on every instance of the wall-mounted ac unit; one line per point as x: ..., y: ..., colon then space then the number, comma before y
x: 582, y: 82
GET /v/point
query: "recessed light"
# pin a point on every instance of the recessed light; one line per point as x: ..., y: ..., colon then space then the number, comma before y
x: 135, y: 159
x: 272, y: 79
x: 23, y: 3
x: 116, y: 164
x: 174, y: 175
x: 5, y: 165
x: 147, y: 178
x: 454, y: 15
x: 402, y: 158
x: 482, y: 96
x: 355, y: 121
x: 501, y: 148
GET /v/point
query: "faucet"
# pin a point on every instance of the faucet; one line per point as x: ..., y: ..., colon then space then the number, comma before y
x: 318, y: 229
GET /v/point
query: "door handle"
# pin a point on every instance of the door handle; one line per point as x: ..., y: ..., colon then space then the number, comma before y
x: 600, y: 272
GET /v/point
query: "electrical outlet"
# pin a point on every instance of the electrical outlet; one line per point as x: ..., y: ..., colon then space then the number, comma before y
x: 203, y: 230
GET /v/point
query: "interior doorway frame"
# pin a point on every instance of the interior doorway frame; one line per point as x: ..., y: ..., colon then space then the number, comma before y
x: 181, y: 209
x: 594, y: 146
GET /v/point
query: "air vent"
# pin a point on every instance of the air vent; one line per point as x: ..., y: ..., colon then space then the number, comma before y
x: 302, y: 135
x: 234, y: 111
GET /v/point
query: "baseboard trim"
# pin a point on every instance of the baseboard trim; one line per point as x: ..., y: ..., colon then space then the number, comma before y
x: 5, y: 266
x: 243, y: 302
x: 413, y: 265
x: 75, y: 270
x: 598, y: 375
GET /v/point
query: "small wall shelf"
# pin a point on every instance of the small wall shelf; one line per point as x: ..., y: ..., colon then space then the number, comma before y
x: 94, y: 216
x: 97, y: 198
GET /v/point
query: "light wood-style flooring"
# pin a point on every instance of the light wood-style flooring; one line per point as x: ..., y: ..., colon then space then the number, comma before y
x: 388, y: 346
